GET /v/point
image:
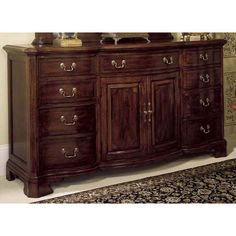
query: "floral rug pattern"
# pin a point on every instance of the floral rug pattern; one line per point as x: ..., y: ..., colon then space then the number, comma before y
x: 214, y: 183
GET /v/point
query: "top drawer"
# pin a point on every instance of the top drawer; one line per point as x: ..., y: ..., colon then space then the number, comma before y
x: 124, y: 62
x: 201, y: 56
x: 66, y: 66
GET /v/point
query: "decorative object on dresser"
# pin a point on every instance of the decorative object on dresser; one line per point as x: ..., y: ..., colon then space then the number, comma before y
x: 67, y: 40
x: 195, y: 36
x: 81, y: 109
x: 118, y: 36
x: 47, y: 38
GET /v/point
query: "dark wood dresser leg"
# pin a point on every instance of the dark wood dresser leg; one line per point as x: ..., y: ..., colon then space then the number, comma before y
x: 9, y: 175
x: 220, y: 150
x: 36, y: 190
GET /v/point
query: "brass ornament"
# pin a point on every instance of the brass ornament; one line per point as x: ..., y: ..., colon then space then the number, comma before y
x: 118, y: 36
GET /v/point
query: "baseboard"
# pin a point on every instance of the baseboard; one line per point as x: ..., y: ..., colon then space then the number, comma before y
x: 3, y: 158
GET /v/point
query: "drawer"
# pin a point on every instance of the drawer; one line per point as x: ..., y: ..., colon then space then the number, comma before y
x: 67, y: 153
x: 65, y: 66
x: 74, y: 120
x: 201, y: 131
x: 201, y: 103
x: 201, y: 78
x: 67, y: 91
x: 124, y: 62
x: 201, y: 56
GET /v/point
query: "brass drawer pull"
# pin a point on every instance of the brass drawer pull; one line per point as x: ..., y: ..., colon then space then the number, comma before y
x: 205, y: 79
x: 75, y: 154
x: 168, y: 61
x: 72, y: 67
x: 205, y: 131
x: 63, y: 93
x: 204, y: 56
x: 115, y: 64
x: 75, y: 119
x: 206, y: 103
x: 149, y: 112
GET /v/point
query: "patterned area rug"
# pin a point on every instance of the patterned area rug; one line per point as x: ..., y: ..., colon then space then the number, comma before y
x: 214, y: 183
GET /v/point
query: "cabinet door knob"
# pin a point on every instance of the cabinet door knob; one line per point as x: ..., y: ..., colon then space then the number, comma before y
x: 205, y: 103
x: 204, y: 56
x: 68, y: 156
x: 63, y: 93
x: 72, y: 67
x: 205, y: 130
x: 145, y: 112
x: 205, y: 79
x: 149, y: 112
x: 115, y: 64
x: 74, y: 120
x: 168, y: 61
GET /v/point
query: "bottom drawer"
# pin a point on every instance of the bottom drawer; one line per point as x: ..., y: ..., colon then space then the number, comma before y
x: 201, y: 131
x: 67, y: 153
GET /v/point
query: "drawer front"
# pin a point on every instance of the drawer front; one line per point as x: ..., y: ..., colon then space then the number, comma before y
x: 201, y: 78
x: 201, y: 131
x: 124, y: 62
x: 75, y: 120
x: 201, y: 56
x: 67, y: 92
x: 202, y: 102
x: 68, y: 153
x: 66, y: 66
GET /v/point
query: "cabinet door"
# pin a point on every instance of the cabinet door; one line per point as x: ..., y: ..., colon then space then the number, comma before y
x: 123, y: 133
x: 163, y: 112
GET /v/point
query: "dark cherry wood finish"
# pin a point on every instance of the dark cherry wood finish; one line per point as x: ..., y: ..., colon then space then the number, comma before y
x: 164, y: 123
x: 120, y: 106
x: 123, y: 129
x: 149, y: 61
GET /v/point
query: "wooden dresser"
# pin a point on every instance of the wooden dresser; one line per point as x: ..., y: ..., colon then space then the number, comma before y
x: 79, y: 110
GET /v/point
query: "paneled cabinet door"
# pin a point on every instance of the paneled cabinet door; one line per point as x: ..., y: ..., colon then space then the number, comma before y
x: 163, y: 112
x: 123, y: 132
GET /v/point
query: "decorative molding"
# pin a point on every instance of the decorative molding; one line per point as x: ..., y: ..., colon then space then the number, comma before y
x: 3, y: 158
x: 230, y: 96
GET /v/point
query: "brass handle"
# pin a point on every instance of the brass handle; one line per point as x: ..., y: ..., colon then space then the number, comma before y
x: 149, y: 112
x: 207, y: 130
x: 72, y: 67
x: 205, y: 79
x: 68, y: 156
x: 204, y: 56
x: 75, y: 119
x: 63, y: 93
x: 168, y: 61
x: 115, y: 64
x: 145, y: 112
x: 205, y: 103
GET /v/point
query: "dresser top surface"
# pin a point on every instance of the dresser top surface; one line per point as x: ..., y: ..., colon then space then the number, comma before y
x: 30, y: 49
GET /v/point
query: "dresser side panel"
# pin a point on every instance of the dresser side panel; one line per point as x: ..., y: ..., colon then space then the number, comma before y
x: 18, y: 107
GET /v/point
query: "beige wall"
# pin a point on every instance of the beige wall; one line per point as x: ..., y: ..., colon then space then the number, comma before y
x: 229, y: 80
x: 7, y: 38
